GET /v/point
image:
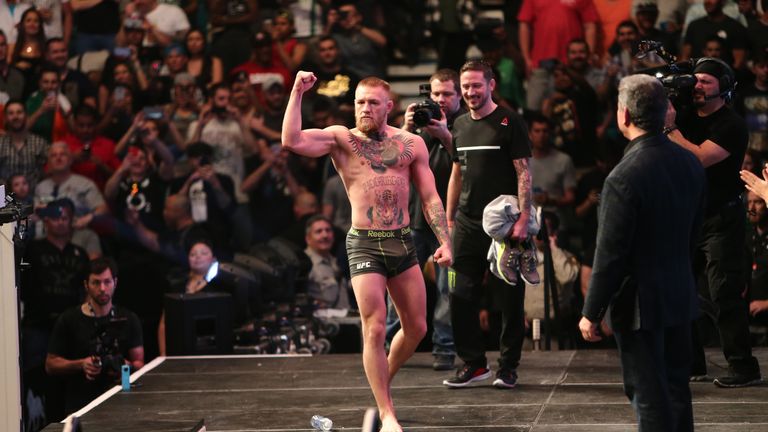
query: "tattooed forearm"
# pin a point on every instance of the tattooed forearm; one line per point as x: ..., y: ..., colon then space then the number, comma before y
x: 436, y: 217
x: 523, y: 185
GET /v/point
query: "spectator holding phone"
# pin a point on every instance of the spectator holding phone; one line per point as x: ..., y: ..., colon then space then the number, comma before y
x: 49, y: 109
x: 217, y: 189
x: 94, y: 155
x: 127, y: 73
x: 186, y: 99
x: 163, y: 23
x: 74, y: 84
x: 230, y: 134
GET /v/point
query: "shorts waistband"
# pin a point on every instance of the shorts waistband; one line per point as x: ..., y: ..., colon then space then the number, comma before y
x: 396, y: 233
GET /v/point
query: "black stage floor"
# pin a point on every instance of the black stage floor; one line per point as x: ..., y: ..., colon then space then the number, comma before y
x: 557, y: 391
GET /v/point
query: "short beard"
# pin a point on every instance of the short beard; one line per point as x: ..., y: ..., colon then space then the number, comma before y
x: 369, y: 127
x: 96, y: 300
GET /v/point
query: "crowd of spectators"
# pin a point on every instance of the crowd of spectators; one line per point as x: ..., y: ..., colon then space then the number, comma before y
x: 160, y: 120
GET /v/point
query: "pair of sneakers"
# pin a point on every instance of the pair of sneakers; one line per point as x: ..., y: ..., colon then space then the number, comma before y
x: 505, y: 378
x: 513, y: 258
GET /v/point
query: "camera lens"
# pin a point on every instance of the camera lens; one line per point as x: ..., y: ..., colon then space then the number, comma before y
x: 421, y: 117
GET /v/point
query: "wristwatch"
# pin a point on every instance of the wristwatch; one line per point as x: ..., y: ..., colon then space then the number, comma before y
x: 667, y: 130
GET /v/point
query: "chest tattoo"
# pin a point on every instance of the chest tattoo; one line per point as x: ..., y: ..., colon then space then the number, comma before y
x: 382, y: 152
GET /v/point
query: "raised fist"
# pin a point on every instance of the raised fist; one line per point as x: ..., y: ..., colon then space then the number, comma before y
x: 304, y: 81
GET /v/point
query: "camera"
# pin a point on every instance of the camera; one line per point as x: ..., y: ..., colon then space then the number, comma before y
x: 343, y: 14
x: 677, y: 78
x: 427, y: 109
x: 105, y: 346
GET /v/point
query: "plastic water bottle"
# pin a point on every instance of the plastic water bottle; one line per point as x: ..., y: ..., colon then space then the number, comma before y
x: 536, y: 334
x: 321, y: 423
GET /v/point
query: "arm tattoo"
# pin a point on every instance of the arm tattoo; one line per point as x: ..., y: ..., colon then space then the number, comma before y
x: 436, y: 216
x: 382, y: 151
x: 523, y: 185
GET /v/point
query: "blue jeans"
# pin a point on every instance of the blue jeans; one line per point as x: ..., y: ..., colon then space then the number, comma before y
x: 85, y: 42
x: 442, y: 332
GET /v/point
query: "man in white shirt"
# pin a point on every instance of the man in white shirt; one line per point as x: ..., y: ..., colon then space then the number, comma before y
x: 163, y: 23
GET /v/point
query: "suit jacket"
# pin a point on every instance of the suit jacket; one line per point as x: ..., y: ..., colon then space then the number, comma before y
x: 650, y: 211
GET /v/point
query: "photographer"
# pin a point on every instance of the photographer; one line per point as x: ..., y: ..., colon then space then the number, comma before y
x: 91, y: 342
x: 443, y: 97
x: 359, y: 45
x: 713, y: 132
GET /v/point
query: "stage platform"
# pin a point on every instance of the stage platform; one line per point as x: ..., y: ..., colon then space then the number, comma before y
x: 558, y: 391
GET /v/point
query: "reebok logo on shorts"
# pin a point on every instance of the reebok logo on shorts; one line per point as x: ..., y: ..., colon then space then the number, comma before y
x: 505, y: 122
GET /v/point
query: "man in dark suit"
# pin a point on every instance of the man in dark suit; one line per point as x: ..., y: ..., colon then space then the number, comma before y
x: 650, y: 211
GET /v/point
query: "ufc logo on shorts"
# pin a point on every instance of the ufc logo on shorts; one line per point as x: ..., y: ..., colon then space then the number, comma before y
x: 363, y: 265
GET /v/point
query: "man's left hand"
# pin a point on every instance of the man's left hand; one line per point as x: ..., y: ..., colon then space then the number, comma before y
x: 520, y: 229
x: 589, y: 330
x: 443, y: 255
x: 669, y: 120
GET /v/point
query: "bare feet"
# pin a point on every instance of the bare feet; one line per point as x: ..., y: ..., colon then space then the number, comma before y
x: 390, y: 424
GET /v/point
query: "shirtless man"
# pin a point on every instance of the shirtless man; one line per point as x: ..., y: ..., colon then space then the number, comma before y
x: 377, y: 163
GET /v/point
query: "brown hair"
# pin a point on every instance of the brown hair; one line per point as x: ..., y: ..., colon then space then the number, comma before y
x: 444, y: 75
x: 478, y: 66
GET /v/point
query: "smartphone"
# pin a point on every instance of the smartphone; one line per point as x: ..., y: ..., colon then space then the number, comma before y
x: 153, y: 112
x: 119, y: 94
x: 122, y: 52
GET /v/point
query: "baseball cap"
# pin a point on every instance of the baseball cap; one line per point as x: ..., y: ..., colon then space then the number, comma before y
x: 261, y: 39
x: 271, y: 81
x: 55, y: 208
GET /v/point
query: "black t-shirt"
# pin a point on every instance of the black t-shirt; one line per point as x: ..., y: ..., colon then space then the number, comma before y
x: 76, y: 336
x: 485, y: 148
x: 591, y: 180
x: 76, y: 87
x: 752, y: 104
x: 218, y: 216
x: 147, y: 199
x: 53, y: 281
x: 102, y: 18
x: 759, y: 252
x: 441, y: 164
x: 339, y: 86
x: 730, y: 30
x: 726, y: 129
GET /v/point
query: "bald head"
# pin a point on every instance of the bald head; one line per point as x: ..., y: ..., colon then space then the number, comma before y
x: 304, y: 204
x: 59, y: 158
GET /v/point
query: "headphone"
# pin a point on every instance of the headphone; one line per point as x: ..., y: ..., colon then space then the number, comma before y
x: 727, y: 82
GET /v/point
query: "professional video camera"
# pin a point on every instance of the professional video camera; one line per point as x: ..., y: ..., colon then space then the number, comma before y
x: 677, y: 78
x: 427, y: 109
x: 106, y: 346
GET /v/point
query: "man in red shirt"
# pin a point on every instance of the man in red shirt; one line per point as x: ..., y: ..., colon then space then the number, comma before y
x: 546, y: 28
x: 94, y: 155
x: 261, y: 67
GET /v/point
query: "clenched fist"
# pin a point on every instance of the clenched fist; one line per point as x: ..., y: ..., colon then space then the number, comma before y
x: 304, y: 81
